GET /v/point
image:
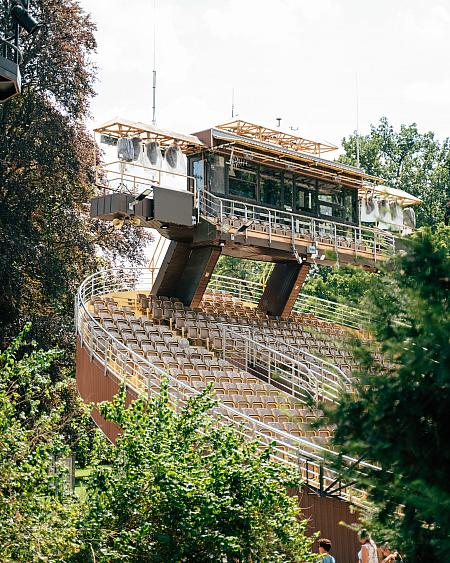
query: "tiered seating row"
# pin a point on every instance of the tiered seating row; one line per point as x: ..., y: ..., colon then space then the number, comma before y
x: 198, y: 366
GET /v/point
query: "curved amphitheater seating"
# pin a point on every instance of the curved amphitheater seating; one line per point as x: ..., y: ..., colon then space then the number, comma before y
x: 185, y: 346
x: 301, y: 331
x: 138, y: 338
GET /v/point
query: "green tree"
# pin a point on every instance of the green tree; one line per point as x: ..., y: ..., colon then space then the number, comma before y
x: 47, y: 160
x: 348, y: 284
x: 409, y: 160
x: 176, y: 488
x: 398, y: 415
x: 250, y: 270
x: 38, y: 514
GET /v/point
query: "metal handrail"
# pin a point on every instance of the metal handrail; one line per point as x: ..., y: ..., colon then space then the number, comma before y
x: 143, y: 376
x: 331, y: 370
x: 296, y: 227
x: 323, y: 309
x: 10, y: 51
x: 301, y: 378
x: 116, y: 171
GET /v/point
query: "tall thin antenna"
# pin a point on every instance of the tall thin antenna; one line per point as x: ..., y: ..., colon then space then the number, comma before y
x: 232, y: 103
x: 154, y: 63
x: 357, y: 123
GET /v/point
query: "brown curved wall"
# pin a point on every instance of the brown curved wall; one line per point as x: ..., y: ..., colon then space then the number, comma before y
x: 95, y: 385
x: 324, y: 513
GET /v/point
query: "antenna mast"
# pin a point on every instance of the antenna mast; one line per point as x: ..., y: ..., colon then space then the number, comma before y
x: 154, y: 64
x: 357, y: 122
x: 232, y: 103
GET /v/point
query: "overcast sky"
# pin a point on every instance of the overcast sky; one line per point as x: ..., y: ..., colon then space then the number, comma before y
x: 294, y: 59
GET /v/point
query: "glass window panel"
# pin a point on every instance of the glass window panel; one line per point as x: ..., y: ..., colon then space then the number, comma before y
x: 216, y: 173
x: 350, y: 206
x: 198, y: 173
x: 326, y: 210
x: 288, y: 190
x: 242, y: 181
x: 270, y: 186
x: 301, y: 199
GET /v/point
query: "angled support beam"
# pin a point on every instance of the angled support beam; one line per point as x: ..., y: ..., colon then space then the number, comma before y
x: 282, y: 289
x: 168, y: 279
x: 197, y: 274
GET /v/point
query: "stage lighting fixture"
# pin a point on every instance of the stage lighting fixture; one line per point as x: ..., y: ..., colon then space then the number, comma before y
x: 22, y: 17
x: 140, y: 197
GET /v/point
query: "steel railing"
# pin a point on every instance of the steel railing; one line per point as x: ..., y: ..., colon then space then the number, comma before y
x: 132, y: 177
x: 300, y: 374
x: 295, y: 228
x: 325, y: 310
x: 144, y: 377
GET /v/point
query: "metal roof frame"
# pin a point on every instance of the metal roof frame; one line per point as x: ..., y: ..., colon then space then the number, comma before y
x: 275, y: 136
x: 119, y: 127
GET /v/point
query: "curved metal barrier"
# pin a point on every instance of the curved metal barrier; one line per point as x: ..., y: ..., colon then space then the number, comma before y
x: 145, y: 378
x: 299, y: 373
x: 323, y: 309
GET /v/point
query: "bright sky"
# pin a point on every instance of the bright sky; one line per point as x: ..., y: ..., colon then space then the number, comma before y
x: 294, y: 59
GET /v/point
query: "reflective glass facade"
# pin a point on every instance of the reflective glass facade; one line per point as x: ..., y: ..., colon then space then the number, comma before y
x: 246, y: 180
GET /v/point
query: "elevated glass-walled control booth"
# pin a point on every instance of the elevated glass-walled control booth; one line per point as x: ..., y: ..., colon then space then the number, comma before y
x: 253, y: 164
x: 276, y: 187
x: 250, y: 191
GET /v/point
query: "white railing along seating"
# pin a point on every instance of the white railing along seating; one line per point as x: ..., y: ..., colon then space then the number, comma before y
x: 330, y: 311
x: 300, y: 374
x: 145, y: 377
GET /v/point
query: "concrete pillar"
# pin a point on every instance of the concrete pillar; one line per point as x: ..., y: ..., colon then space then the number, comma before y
x: 168, y: 279
x: 283, y: 286
x: 197, y: 273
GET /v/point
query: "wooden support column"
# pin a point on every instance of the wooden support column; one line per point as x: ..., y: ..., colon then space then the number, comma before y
x: 282, y: 289
x: 197, y: 273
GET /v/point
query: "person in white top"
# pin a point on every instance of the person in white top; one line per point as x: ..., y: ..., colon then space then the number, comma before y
x: 368, y: 551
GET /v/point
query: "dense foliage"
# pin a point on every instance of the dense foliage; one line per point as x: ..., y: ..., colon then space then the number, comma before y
x: 47, y: 160
x: 250, y: 270
x: 37, y: 512
x: 176, y: 488
x: 409, y: 160
x: 398, y: 417
x: 348, y: 284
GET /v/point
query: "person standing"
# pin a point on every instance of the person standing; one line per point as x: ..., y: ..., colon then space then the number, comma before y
x: 368, y: 551
x: 324, y: 549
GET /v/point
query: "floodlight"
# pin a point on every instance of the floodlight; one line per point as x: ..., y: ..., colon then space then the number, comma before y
x: 140, y: 197
x: 144, y: 194
x: 245, y: 226
x: 21, y: 16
